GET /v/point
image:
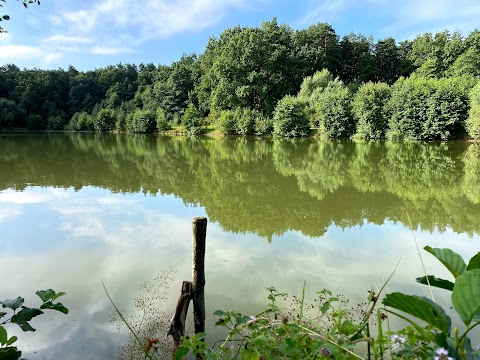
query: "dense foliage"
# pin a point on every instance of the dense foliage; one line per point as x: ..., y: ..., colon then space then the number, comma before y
x: 247, y: 70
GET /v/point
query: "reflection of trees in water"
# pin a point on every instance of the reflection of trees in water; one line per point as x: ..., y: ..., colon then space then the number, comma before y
x: 265, y: 186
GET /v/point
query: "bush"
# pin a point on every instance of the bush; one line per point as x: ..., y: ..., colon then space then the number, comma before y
x: 81, y: 121
x: 245, y: 121
x: 333, y: 111
x: 290, y: 118
x: 473, y: 122
x: 226, y: 122
x: 192, y: 120
x: 36, y: 122
x: 161, y: 120
x: 105, y: 120
x: 141, y: 121
x: 55, y: 123
x: 428, y: 109
x: 319, y: 80
x: 263, y: 125
x: 369, y: 111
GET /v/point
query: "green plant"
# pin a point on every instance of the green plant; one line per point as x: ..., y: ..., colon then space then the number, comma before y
x: 192, y: 120
x: 290, y: 118
x: 325, y: 328
x: 333, y: 110
x: 465, y: 299
x: 22, y: 318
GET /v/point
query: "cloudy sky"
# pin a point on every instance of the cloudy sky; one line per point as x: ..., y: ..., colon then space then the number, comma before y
x: 90, y: 34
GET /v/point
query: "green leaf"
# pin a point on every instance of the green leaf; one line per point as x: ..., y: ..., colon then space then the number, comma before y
x: 46, y: 295
x: 6, y: 17
x: 452, y: 261
x: 10, y: 353
x: 420, y: 307
x: 11, y: 340
x: 54, y: 306
x: 3, y: 335
x: 466, y: 295
x: 12, y: 303
x: 26, y: 314
x: 219, y: 313
x: 474, y: 262
x: 181, y: 353
x: 437, y: 282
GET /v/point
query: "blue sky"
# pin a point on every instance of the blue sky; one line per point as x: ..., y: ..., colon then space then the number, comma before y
x: 91, y: 34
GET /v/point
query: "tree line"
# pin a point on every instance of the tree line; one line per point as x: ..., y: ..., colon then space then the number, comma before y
x: 264, y: 80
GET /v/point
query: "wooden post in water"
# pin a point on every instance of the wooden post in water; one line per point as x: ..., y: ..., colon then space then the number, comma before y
x: 194, y: 290
x: 199, y: 225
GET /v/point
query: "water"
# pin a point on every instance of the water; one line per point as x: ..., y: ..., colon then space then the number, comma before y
x: 79, y: 208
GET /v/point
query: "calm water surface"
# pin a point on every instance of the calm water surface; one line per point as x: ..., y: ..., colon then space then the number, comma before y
x: 78, y: 208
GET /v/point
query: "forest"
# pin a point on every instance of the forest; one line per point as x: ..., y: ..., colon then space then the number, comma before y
x: 267, y: 80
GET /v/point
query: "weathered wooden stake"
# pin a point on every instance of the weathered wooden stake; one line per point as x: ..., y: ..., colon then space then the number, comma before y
x: 199, y: 225
x: 177, y: 323
x: 194, y: 290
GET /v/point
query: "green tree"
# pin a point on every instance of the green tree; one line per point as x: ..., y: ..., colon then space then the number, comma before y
x: 358, y: 63
x: 369, y: 108
x: 105, y: 120
x: 192, y: 120
x: 8, y: 113
x: 161, y: 120
x: 473, y: 122
x: 319, y: 80
x: 141, y: 121
x: 428, y: 109
x: 290, y: 118
x: 333, y: 110
x: 467, y: 64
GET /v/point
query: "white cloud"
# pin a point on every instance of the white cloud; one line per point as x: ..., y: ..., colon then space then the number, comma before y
x: 149, y: 18
x: 55, y: 20
x: 107, y: 50
x: 10, y: 52
x: 5, y: 38
x: 13, y: 53
x: 67, y: 39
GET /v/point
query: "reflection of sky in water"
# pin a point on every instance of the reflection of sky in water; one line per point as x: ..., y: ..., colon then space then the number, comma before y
x: 68, y: 240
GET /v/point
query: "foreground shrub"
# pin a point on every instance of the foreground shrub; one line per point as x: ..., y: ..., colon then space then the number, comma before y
x: 329, y: 327
x: 473, y: 122
x: 333, y: 111
x: 370, y: 111
x: 141, y: 121
x: 290, y: 118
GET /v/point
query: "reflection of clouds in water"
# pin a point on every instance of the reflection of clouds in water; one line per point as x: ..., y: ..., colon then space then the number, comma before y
x: 126, y: 246
x: 23, y: 197
x: 9, y: 213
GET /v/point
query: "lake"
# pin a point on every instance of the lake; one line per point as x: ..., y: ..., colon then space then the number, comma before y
x: 76, y: 209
